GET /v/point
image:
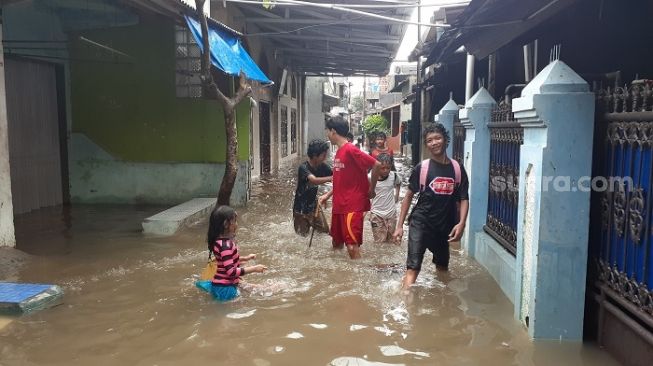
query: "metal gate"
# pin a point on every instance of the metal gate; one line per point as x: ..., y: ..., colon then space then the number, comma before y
x: 34, y: 135
x: 459, y: 135
x: 506, y: 138
x: 621, y: 257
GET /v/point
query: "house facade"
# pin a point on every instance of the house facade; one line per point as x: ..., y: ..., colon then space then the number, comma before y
x: 103, y: 104
x: 550, y: 113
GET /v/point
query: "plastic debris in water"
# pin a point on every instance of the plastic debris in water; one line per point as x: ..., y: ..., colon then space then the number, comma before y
x: 398, y: 351
x: 385, y: 330
x: 355, y: 327
x: 318, y: 326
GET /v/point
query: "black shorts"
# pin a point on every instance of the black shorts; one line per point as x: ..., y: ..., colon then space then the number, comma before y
x: 420, y: 239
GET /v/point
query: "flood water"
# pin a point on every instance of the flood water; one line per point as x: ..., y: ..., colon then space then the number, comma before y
x: 130, y: 299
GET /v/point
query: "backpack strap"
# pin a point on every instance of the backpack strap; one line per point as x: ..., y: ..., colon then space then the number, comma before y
x: 424, y: 169
x: 456, y: 171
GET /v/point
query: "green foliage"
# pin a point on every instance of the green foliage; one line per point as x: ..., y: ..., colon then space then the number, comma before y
x: 357, y: 103
x: 375, y: 123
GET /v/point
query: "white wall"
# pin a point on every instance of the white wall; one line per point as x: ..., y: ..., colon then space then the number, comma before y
x: 313, y: 105
x: 290, y: 103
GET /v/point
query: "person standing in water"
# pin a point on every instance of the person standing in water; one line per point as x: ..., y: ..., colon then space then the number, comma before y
x: 351, y: 188
x: 310, y: 175
x: 439, y: 215
x: 383, y: 214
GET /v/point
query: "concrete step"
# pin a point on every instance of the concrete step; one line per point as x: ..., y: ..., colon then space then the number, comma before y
x: 21, y: 298
x: 169, y: 221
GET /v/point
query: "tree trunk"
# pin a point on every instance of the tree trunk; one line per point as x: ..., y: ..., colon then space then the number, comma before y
x: 228, y: 106
x: 231, y: 167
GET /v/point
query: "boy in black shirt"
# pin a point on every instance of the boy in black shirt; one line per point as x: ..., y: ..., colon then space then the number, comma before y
x: 310, y: 174
x: 439, y: 215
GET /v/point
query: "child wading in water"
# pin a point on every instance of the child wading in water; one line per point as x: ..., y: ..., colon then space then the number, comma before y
x: 220, y: 238
x: 310, y: 175
x: 435, y: 221
x: 383, y: 214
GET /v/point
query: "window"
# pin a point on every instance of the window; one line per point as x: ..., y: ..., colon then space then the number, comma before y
x: 188, y: 65
x: 284, y: 131
x: 293, y: 87
x: 293, y: 130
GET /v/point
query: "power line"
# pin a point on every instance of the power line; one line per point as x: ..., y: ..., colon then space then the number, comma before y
x: 346, y: 8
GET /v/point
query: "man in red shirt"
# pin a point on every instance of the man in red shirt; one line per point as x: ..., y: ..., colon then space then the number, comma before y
x: 351, y: 189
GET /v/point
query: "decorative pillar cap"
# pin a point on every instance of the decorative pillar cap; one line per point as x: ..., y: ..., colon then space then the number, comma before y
x: 482, y: 98
x: 450, y: 108
x: 556, y: 77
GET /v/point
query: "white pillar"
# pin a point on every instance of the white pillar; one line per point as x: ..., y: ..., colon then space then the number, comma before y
x: 475, y: 117
x: 7, y: 237
x: 446, y: 116
x: 469, y: 77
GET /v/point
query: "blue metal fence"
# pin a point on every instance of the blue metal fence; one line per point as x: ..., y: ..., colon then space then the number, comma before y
x: 625, y: 253
x: 459, y: 134
x: 506, y: 138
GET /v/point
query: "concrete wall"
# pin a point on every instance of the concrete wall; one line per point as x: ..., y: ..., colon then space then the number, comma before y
x: 107, y: 179
x: 130, y: 111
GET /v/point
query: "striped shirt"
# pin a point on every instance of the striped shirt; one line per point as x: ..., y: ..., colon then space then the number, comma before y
x: 229, y: 270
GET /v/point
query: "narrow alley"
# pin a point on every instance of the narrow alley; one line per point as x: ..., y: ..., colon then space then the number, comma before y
x: 130, y: 299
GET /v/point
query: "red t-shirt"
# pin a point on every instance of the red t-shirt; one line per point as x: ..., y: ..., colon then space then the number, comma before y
x: 350, y: 184
x: 376, y: 152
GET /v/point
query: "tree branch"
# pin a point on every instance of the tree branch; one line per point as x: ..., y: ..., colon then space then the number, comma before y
x: 205, y: 76
x: 244, y: 90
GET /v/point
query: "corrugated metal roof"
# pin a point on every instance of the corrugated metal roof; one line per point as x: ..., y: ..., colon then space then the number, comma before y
x: 487, y: 25
x: 178, y: 8
x: 323, y: 41
x: 208, y: 18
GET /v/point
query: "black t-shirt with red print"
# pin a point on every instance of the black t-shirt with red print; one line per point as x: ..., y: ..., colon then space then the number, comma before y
x: 436, y: 207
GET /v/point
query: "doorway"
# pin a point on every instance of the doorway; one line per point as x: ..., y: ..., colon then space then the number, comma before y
x: 37, y: 136
x: 264, y: 136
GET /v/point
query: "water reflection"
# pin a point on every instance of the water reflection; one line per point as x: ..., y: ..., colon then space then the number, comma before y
x: 130, y: 299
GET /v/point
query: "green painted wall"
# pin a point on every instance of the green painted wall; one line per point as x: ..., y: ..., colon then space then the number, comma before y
x: 129, y: 108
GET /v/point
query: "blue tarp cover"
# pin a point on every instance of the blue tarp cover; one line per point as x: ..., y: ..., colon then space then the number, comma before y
x: 227, y: 53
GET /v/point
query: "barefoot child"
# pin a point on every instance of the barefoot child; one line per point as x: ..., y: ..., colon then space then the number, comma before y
x: 435, y: 222
x: 221, y: 244
x: 383, y: 214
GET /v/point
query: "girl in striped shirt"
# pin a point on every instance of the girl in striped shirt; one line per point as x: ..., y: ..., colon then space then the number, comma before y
x: 222, y: 230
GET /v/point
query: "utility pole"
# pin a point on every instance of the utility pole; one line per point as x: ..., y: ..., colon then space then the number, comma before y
x: 417, y: 115
x: 364, y: 95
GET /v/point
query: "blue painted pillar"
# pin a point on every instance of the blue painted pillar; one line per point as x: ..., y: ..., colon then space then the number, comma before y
x: 475, y: 117
x: 556, y: 111
x: 446, y: 116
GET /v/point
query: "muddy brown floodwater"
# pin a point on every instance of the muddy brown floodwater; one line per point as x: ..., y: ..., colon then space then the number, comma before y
x: 130, y: 299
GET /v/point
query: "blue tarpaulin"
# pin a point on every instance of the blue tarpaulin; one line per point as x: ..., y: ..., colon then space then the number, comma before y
x: 227, y: 53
